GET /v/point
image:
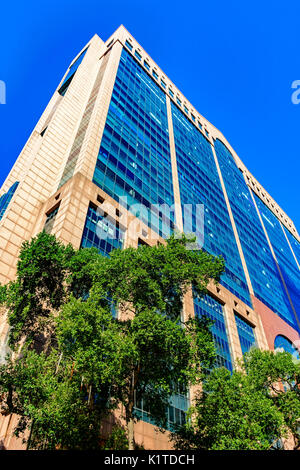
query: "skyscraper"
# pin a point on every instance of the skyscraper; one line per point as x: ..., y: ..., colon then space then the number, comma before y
x: 118, y: 135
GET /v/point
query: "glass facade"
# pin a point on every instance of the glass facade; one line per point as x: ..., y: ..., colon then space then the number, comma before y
x: 246, y: 334
x: 134, y: 168
x: 265, y: 278
x: 294, y: 243
x: 284, y: 256
x: 213, y: 309
x: 101, y: 233
x: 134, y: 164
x: 6, y: 198
x: 281, y: 343
x: 176, y: 411
x: 199, y: 184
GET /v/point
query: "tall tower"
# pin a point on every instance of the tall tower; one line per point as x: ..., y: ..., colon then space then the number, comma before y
x: 118, y: 133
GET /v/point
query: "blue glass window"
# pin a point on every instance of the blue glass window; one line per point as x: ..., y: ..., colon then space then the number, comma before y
x: 246, y: 334
x: 134, y: 158
x: 154, y: 74
x: 171, y: 93
x: 264, y: 275
x: 6, y: 198
x: 178, y: 101
x: 127, y: 44
x: 207, y: 306
x: 138, y: 55
x: 294, y: 243
x: 101, y: 233
x: 176, y: 412
x: 146, y: 65
x: 284, y: 256
x: 164, y: 85
x: 70, y: 75
x: 51, y: 219
x: 186, y: 109
x: 281, y: 343
x: 199, y: 184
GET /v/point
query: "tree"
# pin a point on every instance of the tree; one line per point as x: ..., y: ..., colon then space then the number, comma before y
x: 148, y: 350
x: 155, y: 277
x: 278, y: 375
x: 249, y: 409
x: 51, y: 402
x: 147, y: 354
x: 39, y: 289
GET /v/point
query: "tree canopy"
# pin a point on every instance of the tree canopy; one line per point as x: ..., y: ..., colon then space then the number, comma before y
x: 251, y: 409
x: 90, y: 333
x: 96, y: 361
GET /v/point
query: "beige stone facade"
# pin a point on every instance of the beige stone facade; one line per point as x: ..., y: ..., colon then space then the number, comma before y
x: 55, y: 169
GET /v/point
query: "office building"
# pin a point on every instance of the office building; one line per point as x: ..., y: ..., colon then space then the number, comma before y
x: 118, y: 133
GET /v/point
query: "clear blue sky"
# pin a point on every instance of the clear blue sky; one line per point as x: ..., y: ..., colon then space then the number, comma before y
x: 234, y: 60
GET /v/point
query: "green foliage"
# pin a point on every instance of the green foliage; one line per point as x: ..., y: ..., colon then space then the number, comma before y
x: 67, y: 295
x: 278, y: 375
x: 148, y: 277
x: 117, y: 439
x: 79, y: 266
x: 39, y: 288
x: 249, y: 409
x: 51, y: 402
x: 148, y: 353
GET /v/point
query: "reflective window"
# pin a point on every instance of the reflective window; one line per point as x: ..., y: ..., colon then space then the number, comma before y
x: 127, y: 44
x: 176, y: 411
x: 134, y: 164
x: 294, y: 244
x: 101, y: 233
x: 264, y: 275
x: 138, y: 55
x: 207, y: 306
x: 51, y: 216
x: 283, y: 253
x: 281, y: 343
x: 70, y: 75
x: 6, y: 198
x: 199, y: 184
x: 246, y: 334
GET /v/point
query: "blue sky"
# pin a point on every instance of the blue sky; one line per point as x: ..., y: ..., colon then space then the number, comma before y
x: 235, y: 61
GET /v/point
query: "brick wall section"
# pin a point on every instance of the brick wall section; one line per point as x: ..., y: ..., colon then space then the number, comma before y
x: 273, y: 324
